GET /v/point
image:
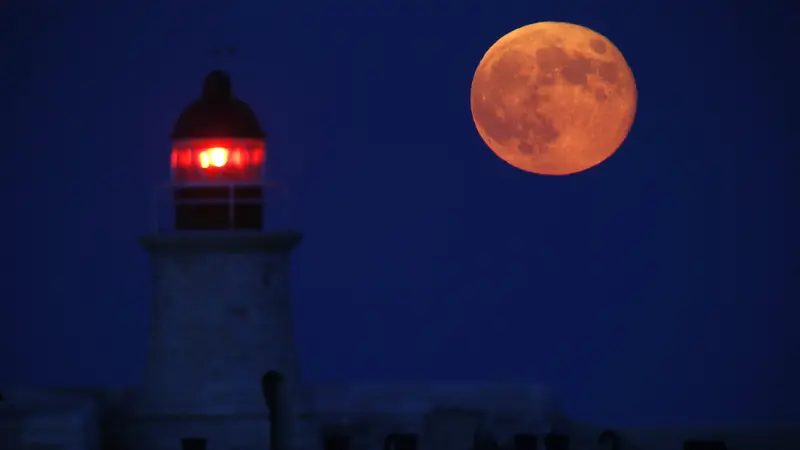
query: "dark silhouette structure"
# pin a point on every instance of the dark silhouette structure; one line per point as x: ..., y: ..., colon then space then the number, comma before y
x: 193, y: 444
x: 217, y: 113
x: 401, y: 441
x: 525, y: 442
x: 335, y: 441
x: 556, y: 441
x: 704, y: 445
x: 484, y: 441
x: 609, y: 439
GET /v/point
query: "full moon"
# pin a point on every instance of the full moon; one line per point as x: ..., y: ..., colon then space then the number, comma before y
x: 553, y: 98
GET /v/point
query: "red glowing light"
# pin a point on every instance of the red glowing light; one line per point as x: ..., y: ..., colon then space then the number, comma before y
x: 217, y: 159
x: 214, y: 157
x: 257, y: 156
x: 236, y: 157
x: 185, y: 158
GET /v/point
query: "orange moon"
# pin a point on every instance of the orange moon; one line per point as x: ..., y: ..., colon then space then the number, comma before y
x: 553, y: 98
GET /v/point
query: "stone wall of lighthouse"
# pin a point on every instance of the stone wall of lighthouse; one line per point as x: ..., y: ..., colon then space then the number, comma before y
x: 220, y: 320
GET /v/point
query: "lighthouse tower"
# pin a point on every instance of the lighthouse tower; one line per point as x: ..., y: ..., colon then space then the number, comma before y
x: 221, y: 328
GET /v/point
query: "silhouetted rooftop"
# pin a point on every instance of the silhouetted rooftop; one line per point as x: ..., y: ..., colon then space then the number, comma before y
x: 217, y: 113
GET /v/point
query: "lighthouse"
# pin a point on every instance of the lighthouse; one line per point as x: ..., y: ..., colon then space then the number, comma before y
x: 221, y: 352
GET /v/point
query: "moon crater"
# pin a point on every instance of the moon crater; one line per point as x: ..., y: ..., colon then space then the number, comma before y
x: 553, y: 98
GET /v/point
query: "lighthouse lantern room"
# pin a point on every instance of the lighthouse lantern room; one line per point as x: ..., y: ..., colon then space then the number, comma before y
x: 217, y: 163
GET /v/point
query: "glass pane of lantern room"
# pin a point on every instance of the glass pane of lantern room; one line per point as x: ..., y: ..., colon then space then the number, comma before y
x: 218, y: 161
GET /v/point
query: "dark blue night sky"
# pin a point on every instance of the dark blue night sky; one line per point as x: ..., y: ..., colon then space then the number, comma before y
x: 654, y: 288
